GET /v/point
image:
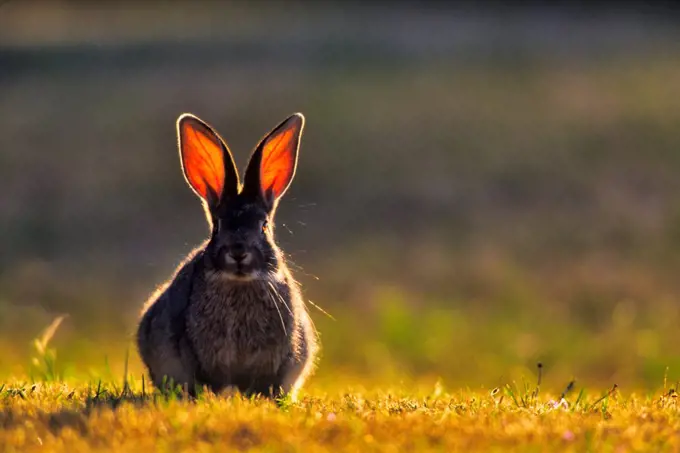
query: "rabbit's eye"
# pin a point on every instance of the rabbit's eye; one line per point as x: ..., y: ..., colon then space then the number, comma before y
x: 264, y: 226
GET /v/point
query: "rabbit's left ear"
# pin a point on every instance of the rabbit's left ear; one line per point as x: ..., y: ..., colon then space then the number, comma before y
x: 206, y: 161
x: 272, y: 165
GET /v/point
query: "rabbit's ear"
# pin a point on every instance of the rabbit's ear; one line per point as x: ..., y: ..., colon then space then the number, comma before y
x: 206, y: 161
x: 272, y: 165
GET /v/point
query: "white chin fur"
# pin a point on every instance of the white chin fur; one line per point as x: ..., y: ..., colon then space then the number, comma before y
x: 228, y: 276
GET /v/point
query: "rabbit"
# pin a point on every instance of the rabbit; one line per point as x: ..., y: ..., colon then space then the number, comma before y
x: 232, y: 316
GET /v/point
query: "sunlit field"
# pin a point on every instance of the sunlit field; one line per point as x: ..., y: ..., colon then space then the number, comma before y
x: 475, y: 195
x: 105, y: 417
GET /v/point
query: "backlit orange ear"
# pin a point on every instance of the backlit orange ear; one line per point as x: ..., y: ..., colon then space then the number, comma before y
x: 203, y: 155
x: 279, y: 157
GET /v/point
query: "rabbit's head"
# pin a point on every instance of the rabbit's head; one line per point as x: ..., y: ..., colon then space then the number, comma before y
x: 242, y: 245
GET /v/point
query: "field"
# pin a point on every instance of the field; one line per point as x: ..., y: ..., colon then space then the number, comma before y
x: 82, y: 418
x: 478, y: 190
x: 53, y: 414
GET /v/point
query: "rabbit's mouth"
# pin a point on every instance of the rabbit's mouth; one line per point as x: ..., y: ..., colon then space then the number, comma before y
x: 241, y: 274
x: 238, y: 269
x: 235, y: 273
x: 234, y: 276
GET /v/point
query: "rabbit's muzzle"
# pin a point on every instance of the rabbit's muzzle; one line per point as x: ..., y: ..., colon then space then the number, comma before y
x: 237, y: 254
x: 237, y: 261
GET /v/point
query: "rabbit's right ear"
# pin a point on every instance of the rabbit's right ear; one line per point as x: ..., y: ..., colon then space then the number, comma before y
x: 206, y: 161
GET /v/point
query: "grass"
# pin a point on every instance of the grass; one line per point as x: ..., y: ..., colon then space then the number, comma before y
x: 55, y: 412
x: 105, y: 417
x: 401, y: 336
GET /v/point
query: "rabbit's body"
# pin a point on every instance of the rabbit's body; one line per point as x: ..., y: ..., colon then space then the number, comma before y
x: 205, y: 330
x: 223, y: 322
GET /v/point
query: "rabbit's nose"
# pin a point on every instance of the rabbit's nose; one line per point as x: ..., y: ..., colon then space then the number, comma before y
x: 239, y: 254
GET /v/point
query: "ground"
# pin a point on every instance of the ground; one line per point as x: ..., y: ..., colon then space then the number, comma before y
x: 57, y: 417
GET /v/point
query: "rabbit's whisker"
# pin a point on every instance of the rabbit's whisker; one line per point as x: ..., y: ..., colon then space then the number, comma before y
x: 283, y: 324
x: 276, y: 292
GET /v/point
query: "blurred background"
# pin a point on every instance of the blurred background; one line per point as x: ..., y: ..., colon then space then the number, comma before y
x: 479, y: 189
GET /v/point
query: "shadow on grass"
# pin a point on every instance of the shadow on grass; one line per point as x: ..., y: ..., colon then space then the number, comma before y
x: 54, y: 421
x: 112, y: 398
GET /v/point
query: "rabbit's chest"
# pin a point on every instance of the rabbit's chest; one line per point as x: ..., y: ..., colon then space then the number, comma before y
x: 240, y: 334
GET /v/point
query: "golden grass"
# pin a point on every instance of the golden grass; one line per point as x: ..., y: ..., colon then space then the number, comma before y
x: 61, y: 417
